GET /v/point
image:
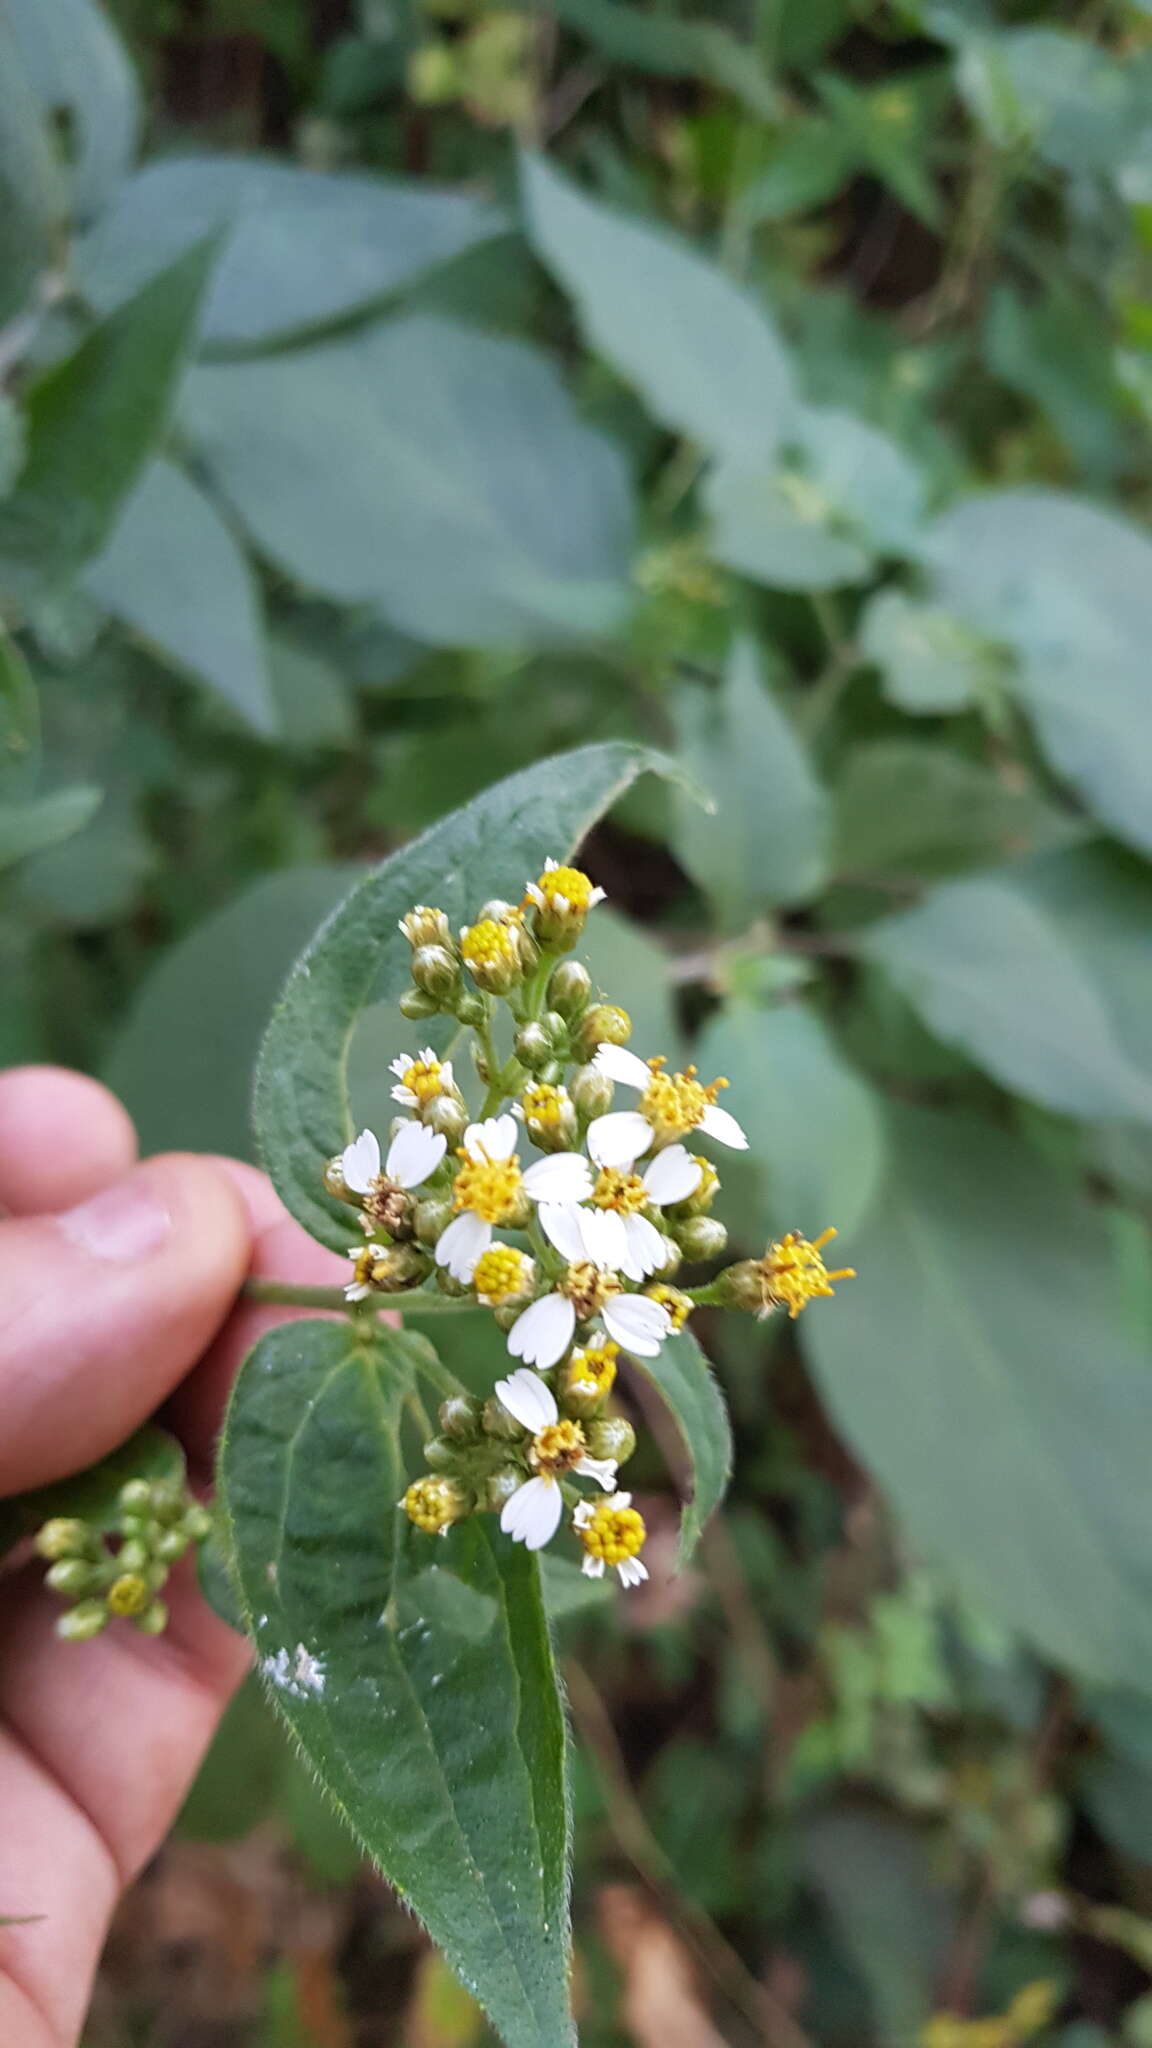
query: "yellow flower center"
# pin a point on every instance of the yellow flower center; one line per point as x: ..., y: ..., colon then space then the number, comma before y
x: 679, y: 1306
x: 545, y: 1106
x: 613, y: 1533
x: 364, y: 1267
x: 567, y: 884
x: 675, y: 1103
x: 558, y: 1447
x: 501, y: 1272
x: 489, y: 946
x: 593, y: 1370
x: 129, y: 1594
x: 423, y: 1077
x: 489, y: 1187
x: 432, y: 1504
x: 588, y: 1288
x: 793, y: 1272
x: 618, y: 1190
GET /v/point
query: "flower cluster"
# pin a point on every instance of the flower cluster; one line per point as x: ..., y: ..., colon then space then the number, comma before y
x: 564, y: 1213
x: 120, y: 1572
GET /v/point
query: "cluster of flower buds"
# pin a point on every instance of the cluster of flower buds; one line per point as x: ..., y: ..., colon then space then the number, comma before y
x: 121, y: 1572
x: 576, y: 1243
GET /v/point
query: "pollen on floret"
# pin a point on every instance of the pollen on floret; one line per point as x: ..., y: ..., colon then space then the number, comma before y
x: 558, y: 1447
x: 679, y: 1306
x: 618, y: 1189
x: 489, y: 1187
x: 612, y: 1534
x: 593, y: 1369
x: 433, y: 1504
x: 794, y: 1273
x: 501, y: 1273
x: 674, y: 1103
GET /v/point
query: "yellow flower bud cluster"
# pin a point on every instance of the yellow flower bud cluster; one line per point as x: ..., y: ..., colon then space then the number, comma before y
x: 119, y: 1571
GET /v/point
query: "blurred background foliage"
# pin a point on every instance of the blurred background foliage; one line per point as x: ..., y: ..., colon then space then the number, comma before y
x: 397, y: 391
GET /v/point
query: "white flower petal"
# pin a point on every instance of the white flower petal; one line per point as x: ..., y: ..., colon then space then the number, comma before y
x: 559, y: 1177
x: 621, y: 1065
x: 460, y: 1246
x: 673, y: 1175
x: 543, y: 1333
x: 722, y: 1126
x: 533, y: 1513
x: 582, y: 1514
x: 605, y: 1240
x: 645, y: 1250
x: 631, y: 1572
x: 360, y: 1162
x: 598, y: 895
x: 636, y: 1324
x: 592, y: 1567
x: 560, y: 1222
x: 618, y: 1138
x: 602, y: 1470
x: 357, y: 1290
x: 414, y: 1153
x: 495, y: 1138
x: 526, y: 1397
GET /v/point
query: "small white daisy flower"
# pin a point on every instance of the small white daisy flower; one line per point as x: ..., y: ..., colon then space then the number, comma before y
x: 671, y: 1176
x: 421, y: 1079
x: 490, y: 1185
x: 671, y: 1105
x: 532, y: 1516
x: 595, y: 1245
x: 612, y: 1533
x: 413, y: 1155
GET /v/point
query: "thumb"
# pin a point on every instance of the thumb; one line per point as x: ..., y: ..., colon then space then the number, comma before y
x: 106, y: 1306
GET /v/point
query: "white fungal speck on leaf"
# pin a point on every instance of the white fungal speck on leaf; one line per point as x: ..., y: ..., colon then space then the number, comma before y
x: 296, y: 1672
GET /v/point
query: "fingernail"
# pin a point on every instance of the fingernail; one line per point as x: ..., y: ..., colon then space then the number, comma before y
x: 123, y: 1222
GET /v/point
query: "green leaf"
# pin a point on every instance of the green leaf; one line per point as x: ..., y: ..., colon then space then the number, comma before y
x: 877, y: 1879
x: 683, y: 1379
x: 1049, y: 350
x: 433, y: 471
x: 300, y: 249
x: 31, y: 203
x: 19, y: 721
x: 815, y: 1134
x: 79, y: 69
x: 434, y: 1725
x: 94, y: 1495
x: 1069, y: 587
x: 702, y: 351
x: 26, y: 828
x: 360, y: 957
x: 173, y: 571
x: 989, y: 971
x: 985, y: 1377
x: 766, y: 842
x: 93, y: 421
x: 911, y: 809
x: 665, y: 47
x: 929, y: 661
x: 1072, y: 102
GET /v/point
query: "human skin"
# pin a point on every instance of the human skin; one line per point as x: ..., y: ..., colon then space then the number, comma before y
x: 119, y: 1285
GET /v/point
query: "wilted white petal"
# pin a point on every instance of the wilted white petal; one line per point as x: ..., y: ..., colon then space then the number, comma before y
x: 605, y: 1242
x: 602, y: 1470
x: 543, y: 1333
x: 673, y: 1175
x: 560, y: 1222
x: 495, y: 1138
x: 526, y: 1397
x: 631, y: 1572
x: 460, y: 1246
x: 592, y: 1567
x: 558, y: 1177
x: 644, y: 1248
x: 720, y: 1125
x: 533, y: 1513
x: 621, y: 1065
x: 414, y: 1153
x: 619, y: 1138
x: 360, y: 1163
x: 636, y: 1324
x: 357, y: 1290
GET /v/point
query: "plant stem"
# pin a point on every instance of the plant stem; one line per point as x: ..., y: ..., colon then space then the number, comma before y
x: 282, y: 1295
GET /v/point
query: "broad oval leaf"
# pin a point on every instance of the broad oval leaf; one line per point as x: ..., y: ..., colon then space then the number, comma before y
x: 173, y: 571
x: 82, y: 75
x: 704, y: 353
x: 441, y: 474
x: 986, y: 1376
x: 929, y: 662
x: 31, y: 201
x: 359, y: 957
x: 989, y: 971
x: 416, y: 1672
x: 300, y: 248
x: 683, y: 1378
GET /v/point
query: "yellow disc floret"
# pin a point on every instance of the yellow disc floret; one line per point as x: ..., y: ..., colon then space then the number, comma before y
x: 425, y: 1080
x: 434, y: 1504
x: 793, y: 1272
x: 558, y: 1447
x: 617, y: 1189
x: 674, y: 1103
x: 592, y: 1370
x: 611, y: 1533
x: 491, y: 954
x: 679, y: 1306
x: 489, y: 1187
x: 501, y: 1274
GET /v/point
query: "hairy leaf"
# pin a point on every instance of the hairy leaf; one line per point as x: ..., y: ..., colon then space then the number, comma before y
x: 683, y: 1379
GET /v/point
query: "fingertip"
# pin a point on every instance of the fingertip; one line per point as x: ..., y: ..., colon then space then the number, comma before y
x: 62, y: 1137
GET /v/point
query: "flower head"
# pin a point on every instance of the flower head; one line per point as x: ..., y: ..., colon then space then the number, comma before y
x: 491, y: 953
x: 562, y: 898
x: 592, y: 1370
x: 670, y: 1106
x: 490, y: 1188
x: 501, y: 1274
x: 594, y: 1244
x: 434, y: 1503
x: 413, y: 1157
x: 367, y: 1261
x: 790, y: 1275
x: 532, y: 1515
x: 678, y: 1306
x: 669, y: 1177
x: 423, y: 926
x: 421, y: 1080
x: 612, y: 1533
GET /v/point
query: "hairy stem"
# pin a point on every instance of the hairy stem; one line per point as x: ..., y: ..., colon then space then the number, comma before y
x: 283, y: 1295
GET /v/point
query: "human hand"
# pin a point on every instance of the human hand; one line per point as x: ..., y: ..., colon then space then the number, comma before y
x: 118, y: 1292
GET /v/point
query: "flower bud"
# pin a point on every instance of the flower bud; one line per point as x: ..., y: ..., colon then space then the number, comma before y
x: 471, y: 1009
x: 459, y: 1417
x: 603, y: 1024
x: 432, y: 1218
x: 434, y: 1503
x: 496, y: 1421
x: 136, y: 1497
x: 73, y: 1577
x: 198, y: 1521
x: 440, y: 1455
x: 66, y: 1537
x: 742, y: 1287
x: 172, y: 1545
x: 416, y: 1005
x: 561, y: 898
x: 500, y: 1486
x: 128, y: 1594
x: 435, y: 971
x: 550, y: 1072
x: 405, y: 1266
x: 549, y: 1117
x: 167, y: 1500
x: 492, y: 956
x: 454, y: 1289
x: 81, y: 1623
x: 611, y: 1437
x: 447, y: 1114
x: 426, y: 927
x: 592, y: 1093
x: 134, y: 1556
x: 532, y: 1046
x: 700, y: 1237
x: 673, y: 1260
x: 154, y: 1619
x: 569, y: 988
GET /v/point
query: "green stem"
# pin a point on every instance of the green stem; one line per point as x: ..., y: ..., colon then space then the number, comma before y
x: 282, y: 1295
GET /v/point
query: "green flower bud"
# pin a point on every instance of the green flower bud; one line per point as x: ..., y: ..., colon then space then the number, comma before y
x: 592, y: 1093
x: 447, y: 1114
x: 66, y: 1537
x: 435, y: 970
x: 135, y: 1556
x: 128, y: 1594
x: 154, y: 1619
x: 611, y: 1437
x: 198, y: 1522
x: 459, y: 1418
x: 441, y: 1455
x: 454, y: 1289
x: 172, y: 1545
x: 603, y: 1024
x: 700, y: 1237
x: 81, y: 1623
x: 742, y: 1287
x: 497, y: 1422
x: 532, y: 1046
x: 416, y: 1005
x: 673, y: 1261
x: 500, y: 1486
x: 471, y: 1009
x: 557, y: 1028
x: 405, y: 1266
x: 432, y: 1218
x: 73, y: 1577
x: 136, y: 1497
x: 425, y: 927
x: 167, y: 1501
x: 550, y: 1072
x: 569, y: 989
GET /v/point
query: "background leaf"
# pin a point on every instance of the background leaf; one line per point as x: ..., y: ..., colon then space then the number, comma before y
x: 683, y: 1379
x: 79, y: 69
x: 27, y: 827
x: 31, y: 203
